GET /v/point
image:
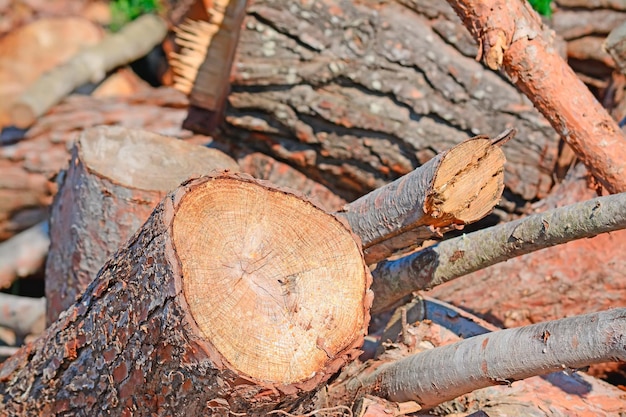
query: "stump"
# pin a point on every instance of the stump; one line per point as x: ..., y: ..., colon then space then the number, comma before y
x: 234, y: 297
x: 115, y: 179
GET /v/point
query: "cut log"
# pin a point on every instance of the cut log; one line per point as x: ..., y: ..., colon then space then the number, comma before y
x: 355, y: 106
x: 264, y: 167
x: 115, y: 179
x: 453, y: 189
x: 24, y: 254
x: 29, y: 166
x: 234, y: 297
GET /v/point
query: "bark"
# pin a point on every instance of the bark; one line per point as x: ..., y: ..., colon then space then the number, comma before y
x: 440, y: 374
x: 115, y: 179
x: 210, y: 308
x: 454, y: 188
x: 355, y: 106
x: 30, y: 164
x: 135, y: 40
x: 573, y: 24
x: 513, y: 38
x: 24, y: 254
x: 454, y: 258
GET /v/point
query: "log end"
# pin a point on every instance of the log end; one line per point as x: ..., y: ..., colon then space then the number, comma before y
x: 276, y: 285
x: 468, y: 183
x: 149, y: 161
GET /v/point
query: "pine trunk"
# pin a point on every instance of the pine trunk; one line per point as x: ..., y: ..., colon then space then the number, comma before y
x: 234, y: 297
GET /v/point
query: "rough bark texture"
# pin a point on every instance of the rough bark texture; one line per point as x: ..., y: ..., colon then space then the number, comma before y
x: 440, y: 374
x: 135, y: 40
x: 137, y: 342
x: 513, y: 38
x: 454, y: 258
x: 357, y: 94
x: 455, y: 188
x: 115, y: 179
x: 574, y: 278
x: 30, y: 164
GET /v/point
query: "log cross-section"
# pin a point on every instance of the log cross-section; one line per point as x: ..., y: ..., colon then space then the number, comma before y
x: 455, y: 188
x: 234, y: 297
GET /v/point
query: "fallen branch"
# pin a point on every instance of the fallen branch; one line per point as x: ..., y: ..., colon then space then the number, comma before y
x: 512, y: 38
x: 135, y: 40
x: 23, y: 254
x: 462, y: 255
x: 456, y: 187
x: 497, y: 358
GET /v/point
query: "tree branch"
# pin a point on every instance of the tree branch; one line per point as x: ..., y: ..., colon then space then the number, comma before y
x: 456, y: 187
x: 512, y: 38
x: 462, y: 255
x: 134, y: 41
x: 496, y: 358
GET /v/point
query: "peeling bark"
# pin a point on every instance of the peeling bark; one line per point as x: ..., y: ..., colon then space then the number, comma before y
x: 513, y: 38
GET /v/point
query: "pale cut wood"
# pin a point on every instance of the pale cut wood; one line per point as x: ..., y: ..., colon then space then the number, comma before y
x: 455, y: 188
x: 29, y: 167
x: 283, y: 280
x: 115, y: 179
x: 23, y: 254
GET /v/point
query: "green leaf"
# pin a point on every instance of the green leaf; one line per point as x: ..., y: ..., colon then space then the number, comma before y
x: 124, y: 11
x: 542, y: 7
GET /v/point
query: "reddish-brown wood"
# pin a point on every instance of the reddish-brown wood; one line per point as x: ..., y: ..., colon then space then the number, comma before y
x: 575, y: 278
x: 512, y: 38
x: 115, y: 179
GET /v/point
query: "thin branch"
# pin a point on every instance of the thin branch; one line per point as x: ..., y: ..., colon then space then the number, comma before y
x: 456, y: 187
x: 513, y: 38
x: 135, y: 40
x: 462, y: 255
x: 496, y: 358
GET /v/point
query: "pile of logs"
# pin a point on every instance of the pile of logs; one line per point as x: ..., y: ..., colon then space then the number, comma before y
x: 280, y: 269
